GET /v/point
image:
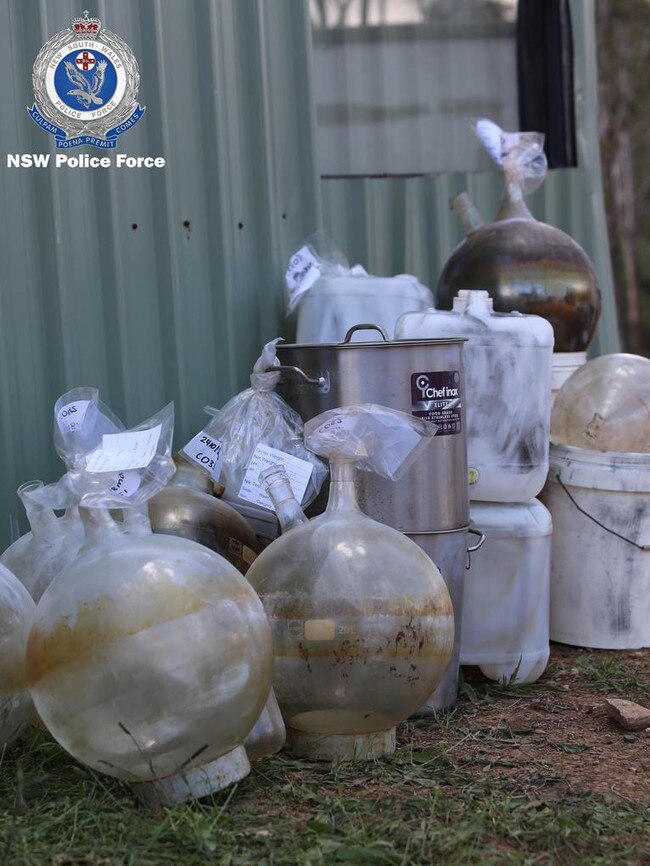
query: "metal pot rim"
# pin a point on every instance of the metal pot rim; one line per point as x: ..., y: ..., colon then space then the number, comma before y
x: 439, y: 341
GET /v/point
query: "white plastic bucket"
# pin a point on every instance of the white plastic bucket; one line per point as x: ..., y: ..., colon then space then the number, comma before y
x: 505, y: 613
x: 564, y: 365
x: 600, y: 564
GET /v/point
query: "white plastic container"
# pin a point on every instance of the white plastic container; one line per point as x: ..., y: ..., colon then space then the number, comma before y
x: 334, y: 304
x: 507, y: 361
x: 505, y: 619
x: 564, y: 365
x: 600, y: 583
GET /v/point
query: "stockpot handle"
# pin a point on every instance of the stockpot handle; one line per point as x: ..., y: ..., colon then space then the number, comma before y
x: 474, y: 547
x: 366, y: 326
x: 321, y: 382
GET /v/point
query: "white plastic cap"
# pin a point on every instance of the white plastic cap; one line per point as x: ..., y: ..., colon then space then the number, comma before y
x: 474, y: 297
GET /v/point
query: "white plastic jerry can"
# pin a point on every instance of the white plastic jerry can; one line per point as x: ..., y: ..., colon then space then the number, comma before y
x: 505, y: 620
x: 508, y: 361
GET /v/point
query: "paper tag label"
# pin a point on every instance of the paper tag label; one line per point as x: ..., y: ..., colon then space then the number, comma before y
x: 71, y: 416
x: 126, y: 484
x: 206, y: 451
x: 302, y: 273
x: 298, y: 471
x: 320, y: 629
x: 122, y: 451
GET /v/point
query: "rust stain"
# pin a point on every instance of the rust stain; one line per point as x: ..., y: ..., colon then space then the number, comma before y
x: 13, y: 678
x: 104, y: 621
x: 438, y: 605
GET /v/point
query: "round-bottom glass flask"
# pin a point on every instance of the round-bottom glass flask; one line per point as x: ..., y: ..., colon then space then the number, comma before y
x: 16, y: 611
x: 362, y: 624
x: 149, y: 659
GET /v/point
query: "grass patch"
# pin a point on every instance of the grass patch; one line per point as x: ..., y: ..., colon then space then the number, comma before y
x: 611, y: 674
x: 422, y: 806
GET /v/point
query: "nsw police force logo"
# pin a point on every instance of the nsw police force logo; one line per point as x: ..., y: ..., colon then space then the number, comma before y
x: 86, y: 86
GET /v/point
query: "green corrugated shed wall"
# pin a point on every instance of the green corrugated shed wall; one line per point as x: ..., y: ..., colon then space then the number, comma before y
x: 158, y: 285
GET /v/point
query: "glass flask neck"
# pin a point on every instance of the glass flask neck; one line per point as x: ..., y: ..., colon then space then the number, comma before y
x: 98, y: 525
x: 343, y: 495
x: 71, y: 515
x: 467, y: 212
x: 135, y: 520
x: 42, y: 520
x: 286, y: 505
x: 513, y: 205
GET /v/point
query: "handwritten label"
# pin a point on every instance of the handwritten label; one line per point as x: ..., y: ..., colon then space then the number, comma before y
x: 337, y: 429
x: 206, y: 452
x: 121, y: 451
x: 126, y: 484
x: 302, y: 273
x: 298, y: 471
x: 71, y: 416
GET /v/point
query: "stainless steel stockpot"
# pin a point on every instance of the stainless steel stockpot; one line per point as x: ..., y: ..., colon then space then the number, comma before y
x: 421, y: 377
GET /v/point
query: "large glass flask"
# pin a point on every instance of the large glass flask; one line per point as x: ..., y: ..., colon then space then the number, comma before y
x: 605, y: 405
x: 16, y: 612
x: 527, y: 266
x: 186, y: 507
x: 150, y: 658
x: 362, y: 623
x: 54, y: 542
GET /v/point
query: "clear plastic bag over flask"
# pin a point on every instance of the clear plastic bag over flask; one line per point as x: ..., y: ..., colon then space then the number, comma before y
x: 362, y: 621
x: 53, y: 542
x: 16, y: 611
x: 150, y: 656
x: 259, y: 416
x: 80, y: 420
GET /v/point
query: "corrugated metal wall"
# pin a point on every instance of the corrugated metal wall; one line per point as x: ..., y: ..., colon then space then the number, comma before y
x: 152, y: 285
x: 162, y: 285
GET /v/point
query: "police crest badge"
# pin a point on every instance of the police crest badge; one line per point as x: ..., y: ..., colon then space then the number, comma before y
x: 86, y: 83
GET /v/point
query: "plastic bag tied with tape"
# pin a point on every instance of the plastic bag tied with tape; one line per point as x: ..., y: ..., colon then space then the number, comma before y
x: 254, y: 421
x: 519, y: 154
x: 375, y: 438
x: 127, y: 467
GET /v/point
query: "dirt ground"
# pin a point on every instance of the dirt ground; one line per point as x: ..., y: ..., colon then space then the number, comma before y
x: 557, y: 735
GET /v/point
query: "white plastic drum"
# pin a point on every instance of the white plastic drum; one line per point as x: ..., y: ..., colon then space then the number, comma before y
x: 334, y: 304
x: 600, y: 576
x: 505, y: 614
